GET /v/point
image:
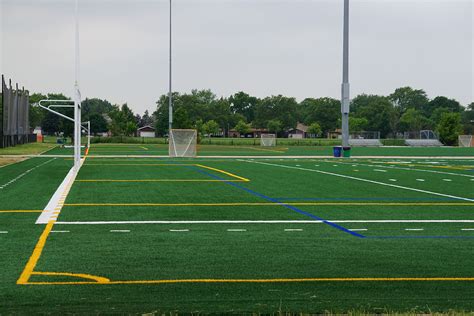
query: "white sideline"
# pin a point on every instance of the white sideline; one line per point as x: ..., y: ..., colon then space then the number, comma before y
x: 363, y: 180
x: 270, y: 222
x: 55, y: 204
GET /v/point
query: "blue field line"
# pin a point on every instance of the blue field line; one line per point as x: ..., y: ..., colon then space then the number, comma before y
x: 280, y: 203
x: 365, y: 199
x: 419, y: 237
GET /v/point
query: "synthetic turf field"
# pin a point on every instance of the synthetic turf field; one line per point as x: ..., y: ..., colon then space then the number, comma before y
x: 261, y: 235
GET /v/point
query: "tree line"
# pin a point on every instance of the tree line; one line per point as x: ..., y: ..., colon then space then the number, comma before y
x: 406, y: 109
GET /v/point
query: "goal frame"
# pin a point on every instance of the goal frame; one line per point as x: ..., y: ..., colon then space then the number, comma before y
x: 269, y: 137
x: 186, y: 153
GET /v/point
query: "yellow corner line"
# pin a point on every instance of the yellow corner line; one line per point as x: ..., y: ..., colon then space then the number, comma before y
x: 97, y: 279
x: 31, y: 264
x: 224, y: 172
x: 139, y: 164
x: 406, y: 279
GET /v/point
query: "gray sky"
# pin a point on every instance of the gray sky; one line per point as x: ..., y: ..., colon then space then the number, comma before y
x: 263, y: 47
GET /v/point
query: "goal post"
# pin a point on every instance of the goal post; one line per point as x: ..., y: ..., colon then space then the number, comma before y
x: 268, y: 140
x: 182, y: 143
x: 466, y: 141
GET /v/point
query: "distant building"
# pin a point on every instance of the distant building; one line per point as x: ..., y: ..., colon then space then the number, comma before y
x: 253, y: 133
x: 301, y: 131
x: 146, y: 131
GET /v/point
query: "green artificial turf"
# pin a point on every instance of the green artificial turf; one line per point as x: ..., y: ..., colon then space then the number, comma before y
x: 287, y: 189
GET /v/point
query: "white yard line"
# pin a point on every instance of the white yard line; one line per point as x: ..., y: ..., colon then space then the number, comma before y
x: 270, y: 221
x: 412, y: 169
x: 120, y: 231
x: 467, y: 229
x: 414, y: 229
x: 60, y: 231
x: 364, y: 180
x: 293, y: 230
x: 179, y: 230
x: 3, y: 232
x: 236, y: 230
x: 24, y: 174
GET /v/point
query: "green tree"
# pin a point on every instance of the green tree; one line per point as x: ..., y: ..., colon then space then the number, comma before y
x: 274, y: 126
x: 467, y: 118
x: 414, y: 120
x: 243, y: 104
x: 442, y: 102
x: 314, y: 129
x: 378, y: 110
x: 98, y: 123
x: 278, y: 107
x: 325, y: 111
x: 211, y: 128
x: 358, y: 124
x: 242, y: 128
x: 409, y: 98
x: 449, y: 128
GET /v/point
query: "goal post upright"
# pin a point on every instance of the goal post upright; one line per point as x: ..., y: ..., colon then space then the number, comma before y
x: 170, y: 92
x: 77, y: 96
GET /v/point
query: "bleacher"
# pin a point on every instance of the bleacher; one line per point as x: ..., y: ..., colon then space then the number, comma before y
x: 365, y: 142
x: 423, y: 142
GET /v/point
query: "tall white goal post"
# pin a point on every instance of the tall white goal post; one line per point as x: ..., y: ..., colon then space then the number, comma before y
x: 466, y: 140
x: 268, y: 140
x: 182, y: 143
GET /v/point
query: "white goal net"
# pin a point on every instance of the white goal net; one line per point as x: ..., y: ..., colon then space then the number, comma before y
x: 268, y: 140
x: 466, y: 141
x: 182, y: 143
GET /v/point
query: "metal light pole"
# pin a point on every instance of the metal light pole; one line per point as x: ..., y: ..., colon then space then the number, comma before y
x: 170, y: 92
x: 77, y: 98
x: 345, y: 95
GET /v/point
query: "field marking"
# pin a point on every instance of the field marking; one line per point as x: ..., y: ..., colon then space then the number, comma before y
x: 119, y: 230
x: 24, y: 174
x: 411, y: 169
x: 60, y: 231
x: 467, y: 229
x: 179, y: 230
x: 268, y: 221
x: 159, y: 180
x: 236, y: 230
x: 364, y: 180
x: 223, y: 172
x: 75, y: 275
x: 33, y: 260
x: 358, y: 229
x: 293, y: 230
x: 140, y: 164
x: 105, y: 281
x: 414, y: 229
x: 274, y: 204
x: 3, y: 232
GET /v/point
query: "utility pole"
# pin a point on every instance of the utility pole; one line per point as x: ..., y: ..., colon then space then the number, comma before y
x: 170, y: 92
x: 345, y: 93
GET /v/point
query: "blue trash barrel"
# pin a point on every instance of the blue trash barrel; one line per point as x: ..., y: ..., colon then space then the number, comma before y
x: 337, y: 150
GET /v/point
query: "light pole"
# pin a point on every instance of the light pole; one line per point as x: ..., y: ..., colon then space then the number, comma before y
x: 345, y: 93
x: 170, y: 92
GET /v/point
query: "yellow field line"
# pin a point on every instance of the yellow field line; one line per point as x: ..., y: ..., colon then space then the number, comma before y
x: 75, y: 275
x: 144, y: 147
x: 139, y: 164
x: 268, y: 204
x: 20, y: 211
x: 262, y: 149
x: 30, y: 266
x: 224, y: 172
x: 161, y: 180
x: 406, y: 279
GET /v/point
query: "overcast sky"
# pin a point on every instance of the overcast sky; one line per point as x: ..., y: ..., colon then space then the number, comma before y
x: 263, y: 47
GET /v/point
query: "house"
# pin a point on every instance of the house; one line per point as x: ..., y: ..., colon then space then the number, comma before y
x: 301, y: 131
x: 253, y: 133
x: 146, y: 131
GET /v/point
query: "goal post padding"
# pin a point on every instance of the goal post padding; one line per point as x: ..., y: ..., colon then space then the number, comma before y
x: 182, y: 143
x: 466, y: 141
x: 268, y: 140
